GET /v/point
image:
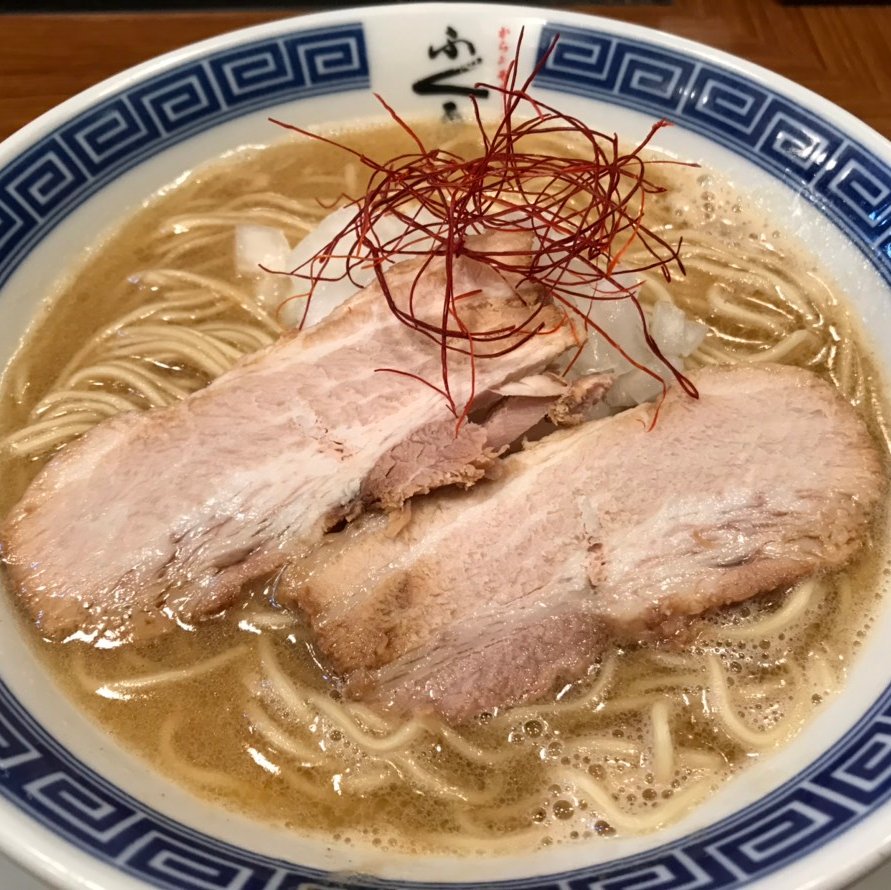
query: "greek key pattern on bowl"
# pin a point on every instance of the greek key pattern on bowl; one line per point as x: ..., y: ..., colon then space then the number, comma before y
x: 827, y: 798
x: 851, y: 186
x: 45, y: 182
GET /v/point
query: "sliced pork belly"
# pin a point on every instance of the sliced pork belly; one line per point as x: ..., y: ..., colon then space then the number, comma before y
x: 436, y: 455
x: 430, y: 457
x: 163, y: 516
x: 611, y: 531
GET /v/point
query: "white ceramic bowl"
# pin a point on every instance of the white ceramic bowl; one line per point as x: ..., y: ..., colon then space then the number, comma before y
x: 82, y: 812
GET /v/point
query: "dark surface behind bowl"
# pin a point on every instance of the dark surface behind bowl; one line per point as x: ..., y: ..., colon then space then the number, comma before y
x: 840, y: 51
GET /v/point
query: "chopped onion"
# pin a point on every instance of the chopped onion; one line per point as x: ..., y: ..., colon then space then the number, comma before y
x: 636, y: 386
x: 621, y: 319
x: 328, y: 295
x: 257, y: 246
x: 676, y: 336
x: 335, y: 286
x: 673, y: 331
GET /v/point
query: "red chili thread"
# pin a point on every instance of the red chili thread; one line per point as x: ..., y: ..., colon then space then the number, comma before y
x: 586, y: 213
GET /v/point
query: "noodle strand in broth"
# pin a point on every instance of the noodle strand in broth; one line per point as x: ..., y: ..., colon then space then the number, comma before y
x: 238, y: 709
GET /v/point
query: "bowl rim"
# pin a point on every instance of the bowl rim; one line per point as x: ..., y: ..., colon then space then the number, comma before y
x: 54, y: 868
x: 199, y: 48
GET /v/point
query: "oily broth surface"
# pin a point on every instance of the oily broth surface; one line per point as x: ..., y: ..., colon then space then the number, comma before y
x: 199, y: 731
x: 101, y: 289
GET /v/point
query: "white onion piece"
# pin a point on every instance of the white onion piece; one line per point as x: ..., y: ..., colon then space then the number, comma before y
x: 621, y: 320
x: 673, y: 331
x: 329, y: 294
x: 675, y: 335
x: 257, y: 246
x: 636, y: 387
x: 265, y: 246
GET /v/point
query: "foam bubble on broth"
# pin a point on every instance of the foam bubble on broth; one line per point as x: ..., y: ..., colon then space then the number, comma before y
x: 649, y: 733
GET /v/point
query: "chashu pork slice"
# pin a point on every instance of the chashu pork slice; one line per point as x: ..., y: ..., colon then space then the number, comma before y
x: 162, y: 516
x: 612, y: 531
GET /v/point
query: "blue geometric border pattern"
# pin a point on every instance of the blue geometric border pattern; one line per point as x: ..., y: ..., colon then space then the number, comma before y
x: 841, y: 177
x: 829, y: 797
x: 43, y: 185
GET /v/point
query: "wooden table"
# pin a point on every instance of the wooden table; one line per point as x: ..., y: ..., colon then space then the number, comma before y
x: 842, y: 52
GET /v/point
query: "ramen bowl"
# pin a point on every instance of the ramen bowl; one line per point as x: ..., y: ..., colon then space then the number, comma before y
x: 81, y: 811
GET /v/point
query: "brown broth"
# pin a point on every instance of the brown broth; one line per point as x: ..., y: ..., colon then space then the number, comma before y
x: 200, y: 732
